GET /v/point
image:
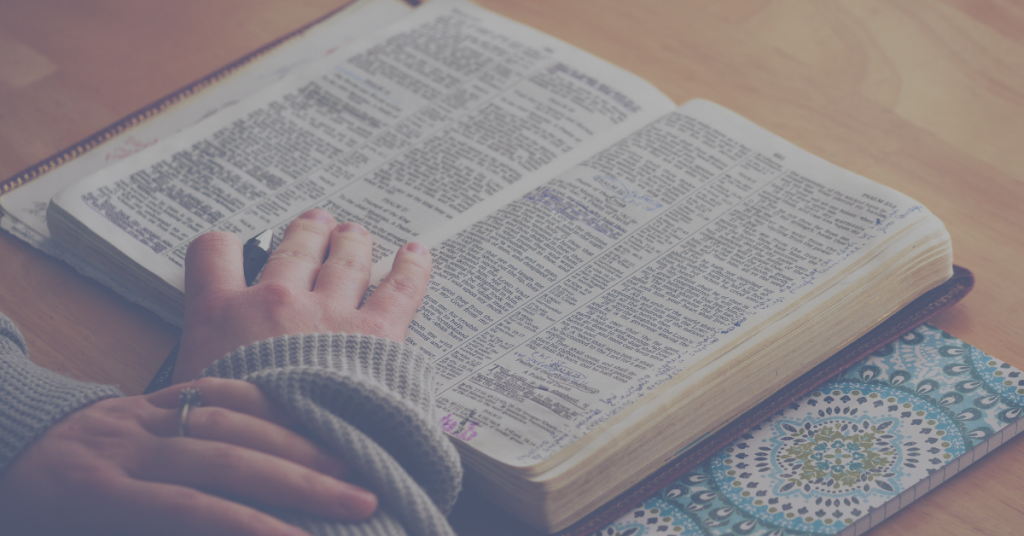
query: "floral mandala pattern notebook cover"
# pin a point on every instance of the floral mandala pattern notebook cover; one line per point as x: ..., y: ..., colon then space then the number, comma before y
x: 850, y: 453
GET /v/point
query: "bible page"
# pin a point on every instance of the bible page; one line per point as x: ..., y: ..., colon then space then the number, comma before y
x: 24, y: 209
x: 408, y: 133
x: 564, y: 308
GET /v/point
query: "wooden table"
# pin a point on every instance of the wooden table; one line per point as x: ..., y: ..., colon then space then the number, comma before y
x: 924, y: 95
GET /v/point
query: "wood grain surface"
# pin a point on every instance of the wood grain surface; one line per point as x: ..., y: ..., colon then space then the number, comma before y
x: 926, y: 96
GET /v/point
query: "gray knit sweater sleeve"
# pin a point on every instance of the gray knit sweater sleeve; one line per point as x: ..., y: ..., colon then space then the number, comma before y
x: 368, y: 399
x: 32, y: 398
x: 371, y: 401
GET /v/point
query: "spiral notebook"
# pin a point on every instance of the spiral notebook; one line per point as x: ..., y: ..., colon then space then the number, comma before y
x: 852, y: 452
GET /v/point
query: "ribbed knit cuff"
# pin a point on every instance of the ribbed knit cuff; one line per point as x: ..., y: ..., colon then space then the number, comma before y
x: 394, y: 367
x: 32, y: 398
x: 381, y: 387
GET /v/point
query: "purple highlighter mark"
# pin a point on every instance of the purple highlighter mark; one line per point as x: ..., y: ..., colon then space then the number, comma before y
x: 464, y: 429
x: 575, y: 211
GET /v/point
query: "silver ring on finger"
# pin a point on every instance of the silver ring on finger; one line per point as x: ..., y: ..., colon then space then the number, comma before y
x: 188, y: 397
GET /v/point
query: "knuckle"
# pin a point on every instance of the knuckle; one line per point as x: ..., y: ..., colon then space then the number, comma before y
x: 292, y: 255
x: 214, y: 240
x: 276, y: 295
x: 349, y: 264
x: 406, y: 285
x: 377, y: 326
x: 310, y: 225
x: 209, y: 418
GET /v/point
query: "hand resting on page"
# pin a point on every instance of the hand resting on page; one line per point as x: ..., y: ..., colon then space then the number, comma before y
x: 119, y: 466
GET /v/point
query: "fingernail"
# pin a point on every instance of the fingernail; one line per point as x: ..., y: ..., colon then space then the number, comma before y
x: 416, y: 247
x: 318, y: 214
x: 350, y: 226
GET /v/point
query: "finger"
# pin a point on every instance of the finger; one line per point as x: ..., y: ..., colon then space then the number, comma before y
x: 168, y: 510
x: 256, y: 423
x: 237, y: 395
x: 227, y: 426
x: 298, y: 257
x: 237, y: 412
x: 213, y: 262
x: 345, y: 274
x: 250, y: 475
x: 396, y: 299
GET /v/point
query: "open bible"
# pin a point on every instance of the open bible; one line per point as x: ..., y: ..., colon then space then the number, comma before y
x: 615, y: 277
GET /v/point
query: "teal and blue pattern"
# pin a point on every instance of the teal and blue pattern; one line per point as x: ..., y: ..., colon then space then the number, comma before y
x: 858, y: 441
